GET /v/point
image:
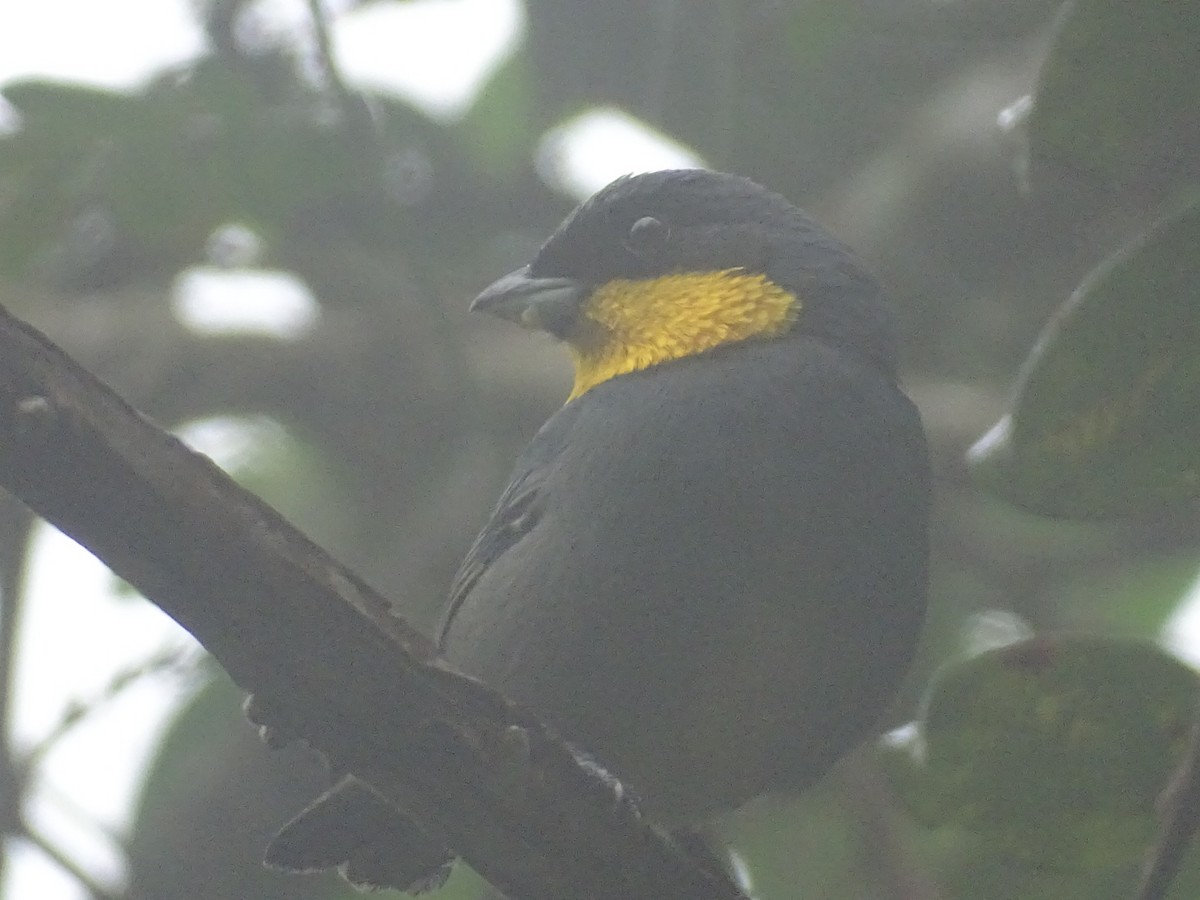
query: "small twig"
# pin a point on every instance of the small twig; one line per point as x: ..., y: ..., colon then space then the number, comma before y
x: 72, y: 810
x: 891, y: 862
x: 1181, y: 819
x: 166, y: 661
x: 60, y: 859
x: 332, y: 72
x: 15, y: 526
x: 353, y: 108
x: 357, y: 118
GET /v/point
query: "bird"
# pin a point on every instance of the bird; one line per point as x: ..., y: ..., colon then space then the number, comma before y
x: 708, y: 570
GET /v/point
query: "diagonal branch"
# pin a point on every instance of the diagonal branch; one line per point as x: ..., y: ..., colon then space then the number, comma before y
x: 326, y: 657
x: 1180, y: 822
x: 15, y: 530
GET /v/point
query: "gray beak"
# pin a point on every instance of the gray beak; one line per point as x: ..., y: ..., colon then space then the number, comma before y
x: 546, y: 304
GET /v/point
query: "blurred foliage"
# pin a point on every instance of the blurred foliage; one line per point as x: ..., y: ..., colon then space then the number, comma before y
x: 984, y: 155
x: 1053, y: 750
x: 1107, y: 415
x: 1116, y: 99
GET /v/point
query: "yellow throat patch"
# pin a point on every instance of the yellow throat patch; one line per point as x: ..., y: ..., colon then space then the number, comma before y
x: 628, y: 325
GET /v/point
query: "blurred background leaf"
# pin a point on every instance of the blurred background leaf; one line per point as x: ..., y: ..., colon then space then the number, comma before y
x: 1116, y: 98
x: 1052, y: 750
x: 1106, y: 419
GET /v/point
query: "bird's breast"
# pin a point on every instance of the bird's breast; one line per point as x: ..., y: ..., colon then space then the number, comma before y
x: 705, y: 602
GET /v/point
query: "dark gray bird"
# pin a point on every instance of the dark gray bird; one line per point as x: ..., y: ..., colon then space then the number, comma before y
x: 708, y: 570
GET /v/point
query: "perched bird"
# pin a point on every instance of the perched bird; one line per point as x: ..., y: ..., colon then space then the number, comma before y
x: 708, y: 570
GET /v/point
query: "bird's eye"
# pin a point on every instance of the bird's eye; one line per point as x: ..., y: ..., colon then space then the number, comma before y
x: 647, y: 236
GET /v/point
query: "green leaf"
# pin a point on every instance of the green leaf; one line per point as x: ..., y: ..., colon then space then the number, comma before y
x: 1116, y: 97
x: 1106, y: 420
x: 1051, y: 750
x: 1136, y: 600
x: 499, y: 131
x: 155, y: 172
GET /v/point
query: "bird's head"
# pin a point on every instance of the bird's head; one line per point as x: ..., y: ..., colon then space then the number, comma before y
x: 671, y: 264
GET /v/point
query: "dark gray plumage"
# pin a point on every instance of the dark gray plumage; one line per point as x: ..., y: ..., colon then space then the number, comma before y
x: 708, y: 574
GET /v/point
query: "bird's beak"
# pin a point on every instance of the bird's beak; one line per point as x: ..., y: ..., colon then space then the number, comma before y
x: 546, y: 304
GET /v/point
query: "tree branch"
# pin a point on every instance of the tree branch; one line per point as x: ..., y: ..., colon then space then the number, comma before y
x: 325, y: 655
x: 95, y: 889
x: 15, y: 527
x: 1180, y: 821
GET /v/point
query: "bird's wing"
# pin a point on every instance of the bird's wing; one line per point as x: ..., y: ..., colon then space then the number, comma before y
x: 516, y: 513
